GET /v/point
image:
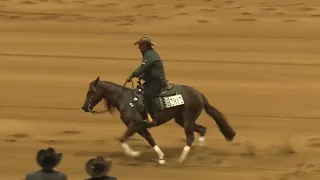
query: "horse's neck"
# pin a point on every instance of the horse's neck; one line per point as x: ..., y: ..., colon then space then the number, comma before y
x: 115, y: 91
x: 112, y: 87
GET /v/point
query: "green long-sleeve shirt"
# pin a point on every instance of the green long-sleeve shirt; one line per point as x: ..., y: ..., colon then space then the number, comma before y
x: 150, y: 67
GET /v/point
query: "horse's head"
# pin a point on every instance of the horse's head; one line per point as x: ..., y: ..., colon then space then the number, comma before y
x: 94, y: 95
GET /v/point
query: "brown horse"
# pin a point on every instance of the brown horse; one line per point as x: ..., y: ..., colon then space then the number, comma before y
x: 181, y: 102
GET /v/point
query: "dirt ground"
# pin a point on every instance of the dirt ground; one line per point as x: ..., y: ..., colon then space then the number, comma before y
x: 256, y: 61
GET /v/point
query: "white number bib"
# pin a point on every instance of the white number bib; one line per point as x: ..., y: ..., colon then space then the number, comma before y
x: 173, y: 101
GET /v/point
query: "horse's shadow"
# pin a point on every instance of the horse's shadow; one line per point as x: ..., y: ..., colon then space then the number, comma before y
x: 149, y: 156
x: 147, y: 153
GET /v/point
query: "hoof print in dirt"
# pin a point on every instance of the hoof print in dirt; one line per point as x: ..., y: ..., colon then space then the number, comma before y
x: 71, y: 132
x: 19, y: 135
x: 10, y: 140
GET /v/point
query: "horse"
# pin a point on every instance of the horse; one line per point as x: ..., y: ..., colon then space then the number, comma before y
x: 175, y: 101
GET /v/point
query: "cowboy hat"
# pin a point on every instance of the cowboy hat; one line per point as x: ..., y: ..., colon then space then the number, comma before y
x: 98, y: 167
x: 48, y: 158
x: 145, y: 39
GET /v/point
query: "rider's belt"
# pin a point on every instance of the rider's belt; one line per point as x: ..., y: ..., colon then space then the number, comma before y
x: 156, y: 77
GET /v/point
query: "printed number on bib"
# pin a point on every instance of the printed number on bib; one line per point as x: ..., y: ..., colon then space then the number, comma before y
x: 175, y: 100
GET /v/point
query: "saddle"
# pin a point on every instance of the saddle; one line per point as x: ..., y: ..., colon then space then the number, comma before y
x: 167, y: 86
x: 169, y: 96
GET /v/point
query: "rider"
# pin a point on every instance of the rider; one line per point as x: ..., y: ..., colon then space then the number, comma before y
x: 152, y: 72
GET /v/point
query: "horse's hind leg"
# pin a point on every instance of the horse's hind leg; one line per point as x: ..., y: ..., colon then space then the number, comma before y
x: 197, y: 128
x: 202, y: 131
x: 147, y: 136
x: 188, y: 117
x: 188, y: 129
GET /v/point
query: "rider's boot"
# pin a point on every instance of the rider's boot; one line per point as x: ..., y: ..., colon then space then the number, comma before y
x: 149, y: 120
x: 149, y: 112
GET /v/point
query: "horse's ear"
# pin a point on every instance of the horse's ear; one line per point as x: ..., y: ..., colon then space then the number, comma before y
x: 96, y: 81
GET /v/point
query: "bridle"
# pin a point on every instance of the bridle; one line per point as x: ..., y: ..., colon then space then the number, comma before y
x: 104, y: 111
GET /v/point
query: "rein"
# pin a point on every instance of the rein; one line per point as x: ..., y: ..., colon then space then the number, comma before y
x: 123, y: 88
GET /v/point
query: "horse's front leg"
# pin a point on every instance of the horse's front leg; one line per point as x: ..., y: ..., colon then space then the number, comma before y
x: 132, y: 128
x: 147, y: 136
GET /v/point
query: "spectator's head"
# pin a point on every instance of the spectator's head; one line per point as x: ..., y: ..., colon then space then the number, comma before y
x: 98, y: 167
x: 48, y: 158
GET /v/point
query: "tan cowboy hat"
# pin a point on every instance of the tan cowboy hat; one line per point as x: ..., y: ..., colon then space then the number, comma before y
x: 145, y: 39
x: 98, y: 167
x: 48, y: 158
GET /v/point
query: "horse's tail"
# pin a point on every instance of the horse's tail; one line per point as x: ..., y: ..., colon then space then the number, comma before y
x: 220, y: 119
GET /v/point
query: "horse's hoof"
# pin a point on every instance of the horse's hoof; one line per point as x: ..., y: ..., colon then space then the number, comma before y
x: 180, y: 160
x: 201, y: 141
x: 162, y: 161
x: 135, y: 153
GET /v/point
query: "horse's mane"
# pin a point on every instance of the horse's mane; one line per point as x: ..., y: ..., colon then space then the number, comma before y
x: 108, y: 106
